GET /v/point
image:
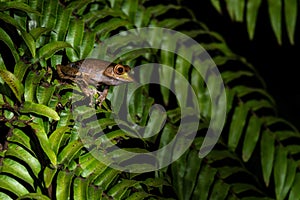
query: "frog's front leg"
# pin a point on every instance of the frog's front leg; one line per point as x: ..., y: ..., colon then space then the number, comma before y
x: 102, y: 96
x: 89, y: 92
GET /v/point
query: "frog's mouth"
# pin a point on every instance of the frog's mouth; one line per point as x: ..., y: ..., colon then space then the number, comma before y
x: 125, y: 78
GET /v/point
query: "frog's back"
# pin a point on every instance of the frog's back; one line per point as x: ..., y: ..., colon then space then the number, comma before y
x: 93, y: 66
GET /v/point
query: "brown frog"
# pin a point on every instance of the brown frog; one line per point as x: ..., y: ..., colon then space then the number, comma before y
x: 95, y: 72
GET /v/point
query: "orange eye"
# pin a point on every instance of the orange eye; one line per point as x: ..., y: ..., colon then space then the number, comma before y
x: 119, y: 69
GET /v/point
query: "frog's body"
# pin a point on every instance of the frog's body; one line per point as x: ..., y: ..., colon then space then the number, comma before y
x: 95, y: 72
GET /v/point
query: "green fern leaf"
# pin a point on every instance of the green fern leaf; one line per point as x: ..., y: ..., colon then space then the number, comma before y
x: 291, y: 10
x: 8, y: 41
x: 63, y: 182
x: 251, y: 16
x: 17, y: 5
x: 30, y: 107
x: 275, y: 7
x: 280, y: 171
x: 267, y: 153
x: 51, y: 48
x: 251, y: 137
x: 68, y: 152
x: 237, y: 125
x: 12, y: 185
x: 14, y: 83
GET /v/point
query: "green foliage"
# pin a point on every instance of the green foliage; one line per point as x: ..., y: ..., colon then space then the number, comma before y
x: 276, y: 8
x: 42, y: 155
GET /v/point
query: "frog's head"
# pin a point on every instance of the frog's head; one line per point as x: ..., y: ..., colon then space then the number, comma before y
x: 118, y: 72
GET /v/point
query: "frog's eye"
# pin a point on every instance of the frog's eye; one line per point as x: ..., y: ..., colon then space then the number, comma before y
x: 76, y: 65
x: 119, y: 69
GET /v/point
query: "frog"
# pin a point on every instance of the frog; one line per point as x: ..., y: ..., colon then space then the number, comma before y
x: 95, y: 72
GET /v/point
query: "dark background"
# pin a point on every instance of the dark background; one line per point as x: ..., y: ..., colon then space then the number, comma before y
x: 277, y: 64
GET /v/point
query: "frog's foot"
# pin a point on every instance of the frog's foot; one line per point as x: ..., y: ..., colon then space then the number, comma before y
x: 92, y: 93
x: 101, y: 97
x: 89, y: 93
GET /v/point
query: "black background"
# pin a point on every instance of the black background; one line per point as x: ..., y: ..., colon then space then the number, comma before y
x: 277, y: 64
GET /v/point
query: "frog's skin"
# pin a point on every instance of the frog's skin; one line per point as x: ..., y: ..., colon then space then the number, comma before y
x: 95, y: 72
